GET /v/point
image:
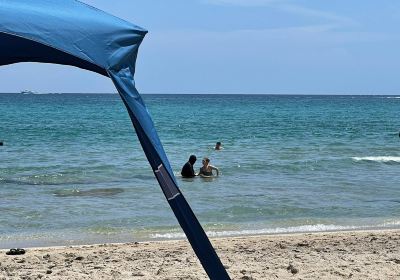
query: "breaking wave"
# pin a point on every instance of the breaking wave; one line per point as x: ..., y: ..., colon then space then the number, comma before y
x: 280, y: 230
x: 378, y: 159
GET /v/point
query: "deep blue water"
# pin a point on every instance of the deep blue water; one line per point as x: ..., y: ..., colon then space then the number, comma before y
x: 72, y: 170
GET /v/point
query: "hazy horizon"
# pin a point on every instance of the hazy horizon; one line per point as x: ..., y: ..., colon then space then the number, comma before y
x: 215, y: 93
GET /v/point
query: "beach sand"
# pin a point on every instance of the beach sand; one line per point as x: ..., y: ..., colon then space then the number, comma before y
x: 336, y: 255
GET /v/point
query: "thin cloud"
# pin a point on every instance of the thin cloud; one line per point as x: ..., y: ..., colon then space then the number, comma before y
x: 298, y: 10
x: 287, y: 7
x: 244, y: 3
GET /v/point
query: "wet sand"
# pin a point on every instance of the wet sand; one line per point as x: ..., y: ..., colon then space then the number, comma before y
x: 336, y: 255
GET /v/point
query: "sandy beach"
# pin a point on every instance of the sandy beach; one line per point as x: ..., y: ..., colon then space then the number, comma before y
x: 336, y: 255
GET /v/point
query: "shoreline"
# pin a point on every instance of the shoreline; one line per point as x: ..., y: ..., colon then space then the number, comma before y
x: 86, y: 240
x: 244, y: 236
x: 361, y: 254
x: 179, y: 236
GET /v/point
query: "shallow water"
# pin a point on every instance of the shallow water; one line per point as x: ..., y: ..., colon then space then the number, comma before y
x: 72, y: 170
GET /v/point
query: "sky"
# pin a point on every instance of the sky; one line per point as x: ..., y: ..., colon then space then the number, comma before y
x: 244, y: 47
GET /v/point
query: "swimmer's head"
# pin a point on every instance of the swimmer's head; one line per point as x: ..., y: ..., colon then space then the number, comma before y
x: 192, y: 159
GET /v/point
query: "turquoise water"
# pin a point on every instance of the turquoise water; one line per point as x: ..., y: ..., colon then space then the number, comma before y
x: 72, y: 170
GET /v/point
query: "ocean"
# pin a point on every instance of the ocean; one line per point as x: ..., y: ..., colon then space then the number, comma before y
x: 73, y: 172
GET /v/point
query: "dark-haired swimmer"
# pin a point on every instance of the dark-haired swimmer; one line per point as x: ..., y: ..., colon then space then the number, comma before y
x: 187, y: 169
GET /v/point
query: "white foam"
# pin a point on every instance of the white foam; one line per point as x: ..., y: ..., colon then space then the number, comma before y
x: 390, y: 224
x: 279, y: 230
x: 378, y: 159
x: 304, y: 228
x: 175, y: 235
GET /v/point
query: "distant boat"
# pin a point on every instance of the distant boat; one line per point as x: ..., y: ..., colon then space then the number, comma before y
x: 28, y: 92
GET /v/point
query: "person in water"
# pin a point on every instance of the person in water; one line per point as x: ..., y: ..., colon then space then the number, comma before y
x: 218, y: 146
x: 187, y: 169
x: 207, y: 169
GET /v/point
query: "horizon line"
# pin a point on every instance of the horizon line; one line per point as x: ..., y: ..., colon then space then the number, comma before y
x: 209, y: 93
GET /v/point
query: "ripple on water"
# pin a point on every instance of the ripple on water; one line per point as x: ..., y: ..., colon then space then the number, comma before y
x: 101, y: 192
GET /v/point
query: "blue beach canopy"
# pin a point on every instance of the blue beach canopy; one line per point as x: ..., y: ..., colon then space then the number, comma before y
x: 72, y: 33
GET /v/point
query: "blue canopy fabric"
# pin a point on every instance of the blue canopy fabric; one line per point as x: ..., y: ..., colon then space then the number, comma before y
x: 72, y: 33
